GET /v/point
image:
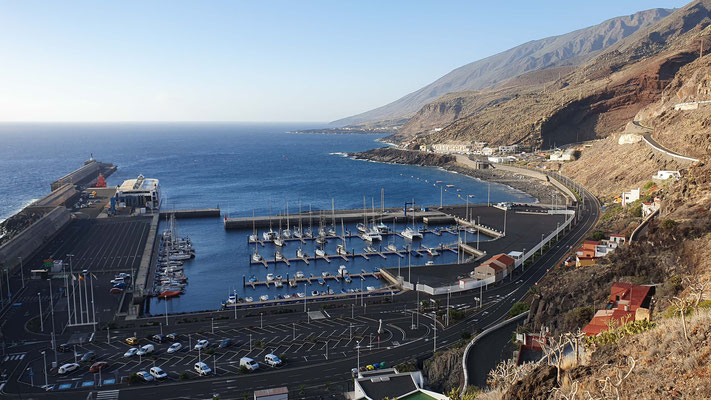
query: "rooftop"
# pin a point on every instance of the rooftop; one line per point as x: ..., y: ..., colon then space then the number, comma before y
x: 378, y: 388
x: 139, y: 184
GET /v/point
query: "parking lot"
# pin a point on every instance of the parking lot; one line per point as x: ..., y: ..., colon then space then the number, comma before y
x: 315, y: 341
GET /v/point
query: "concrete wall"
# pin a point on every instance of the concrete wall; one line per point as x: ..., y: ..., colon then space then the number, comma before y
x: 540, y: 176
x: 32, y: 238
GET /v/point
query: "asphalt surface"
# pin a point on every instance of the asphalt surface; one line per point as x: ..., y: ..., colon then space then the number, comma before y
x: 307, y: 365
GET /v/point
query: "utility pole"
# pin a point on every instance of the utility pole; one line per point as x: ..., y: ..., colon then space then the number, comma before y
x: 22, y: 273
x: 448, y: 295
x: 417, y: 308
x: 39, y: 301
x: 434, y: 319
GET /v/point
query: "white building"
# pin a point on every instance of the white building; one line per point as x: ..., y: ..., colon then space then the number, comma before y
x: 448, y: 148
x: 664, y: 175
x: 502, y: 160
x: 488, y: 151
x: 139, y: 192
x: 389, y: 383
x: 629, y: 197
x: 509, y: 149
x: 567, y: 155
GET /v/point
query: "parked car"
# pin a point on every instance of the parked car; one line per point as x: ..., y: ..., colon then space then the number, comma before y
x: 202, y: 369
x: 67, y: 368
x: 146, y: 349
x: 201, y: 344
x: 173, y: 337
x: 88, y: 356
x: 159, y: 338
x: 174, y: 347
x: 248, y: 363
x: 273, y: 360
x: 64, y: 347
x: 225, y: 343
x: 98, y: 366
x: 145, y: 376
x: 132, y: 340
x: 131, y: 352
x: 157, y: 373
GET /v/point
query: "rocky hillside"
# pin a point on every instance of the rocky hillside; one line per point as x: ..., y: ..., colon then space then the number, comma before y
x: 397, y: 156
x: 592, y: 101
x: 572, y: 48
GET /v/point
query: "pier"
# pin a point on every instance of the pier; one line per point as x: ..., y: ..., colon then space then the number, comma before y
x: 192, y: 213
x: 418, y: 252
x: 339, y: 215
x: 308, y: 279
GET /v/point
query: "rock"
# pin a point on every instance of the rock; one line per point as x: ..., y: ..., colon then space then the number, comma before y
x: 536, y: 385
x: 629, y: 138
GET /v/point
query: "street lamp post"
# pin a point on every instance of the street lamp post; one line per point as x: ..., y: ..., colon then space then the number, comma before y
x: 213, y: 325
x: 44, y: 362
x: 22, y: 273
x: 39, y: 301
x: 261, y: 321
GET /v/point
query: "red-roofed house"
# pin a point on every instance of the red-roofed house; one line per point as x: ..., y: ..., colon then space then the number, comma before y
x: 627, y: 303
x: 498, y: 266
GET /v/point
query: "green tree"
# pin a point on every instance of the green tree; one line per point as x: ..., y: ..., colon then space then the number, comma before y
x: 518, y: 308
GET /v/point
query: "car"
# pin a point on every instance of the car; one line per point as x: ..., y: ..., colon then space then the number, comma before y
x: 248, y: 363
x: 202, y: 369
x: 147, y: 349
x: 174, y: 347
x: 201, y: 344
x: 64, y: 347
x: 273, y: 360
x: 131, y: 352
x: 173, y: 337
x: 67, y: 368
x: 145, y: 376
x: 132, y: 340
x: 157, y: 373
x: 98, y: 366
x: 88, y: 356
x: 225, y: 343
x: 570, y: 261
x: 159, y: 338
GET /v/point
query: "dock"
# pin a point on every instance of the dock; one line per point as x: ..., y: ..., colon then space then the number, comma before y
x: 339, y: 215
x: 192, y: 213
x: 309, y: 279
x: 346, y: 257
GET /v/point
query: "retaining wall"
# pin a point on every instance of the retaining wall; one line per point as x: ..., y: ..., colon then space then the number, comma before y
x: 32, y: 238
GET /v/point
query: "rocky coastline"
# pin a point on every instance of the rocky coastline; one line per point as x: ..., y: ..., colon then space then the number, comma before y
x: 536, y: 189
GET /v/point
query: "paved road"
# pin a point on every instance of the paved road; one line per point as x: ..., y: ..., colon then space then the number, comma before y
x: 399, y: 343
x: 550, y: 259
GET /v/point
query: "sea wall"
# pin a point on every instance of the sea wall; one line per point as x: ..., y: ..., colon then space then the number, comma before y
x: 31, y: 239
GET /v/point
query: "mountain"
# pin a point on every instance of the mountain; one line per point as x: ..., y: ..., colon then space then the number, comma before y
x: 573, y: 48
x: 591, y: 101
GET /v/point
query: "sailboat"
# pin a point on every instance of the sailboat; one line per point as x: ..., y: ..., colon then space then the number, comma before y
x: 298, y: 233
x: 300, y: 253
x: 270, y: 234
x: 253, y: 237
x: 414, y: 232
x: 287, y: 232
x: 332, y: 229
x: 256, y: 257
x: 341, y: 248
x: 278, y: 241
x: 320, y: 252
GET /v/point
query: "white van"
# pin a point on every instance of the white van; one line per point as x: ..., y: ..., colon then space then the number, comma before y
x: 147, y: 349
x: 248, y: 363
x: 202, y: 369
x: 272, y: 360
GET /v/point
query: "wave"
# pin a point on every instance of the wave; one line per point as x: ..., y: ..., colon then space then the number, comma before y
x: 338, y: 153
x: 17, y: 210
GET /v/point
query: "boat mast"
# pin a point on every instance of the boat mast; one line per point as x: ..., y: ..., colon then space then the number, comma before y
x: 270, y: 215
x: 333, y: 213
x: 287, y: 215
x: 300, y: 227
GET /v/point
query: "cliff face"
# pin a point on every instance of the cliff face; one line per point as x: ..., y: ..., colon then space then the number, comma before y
x: 573, y: 48
x: 591, y: 101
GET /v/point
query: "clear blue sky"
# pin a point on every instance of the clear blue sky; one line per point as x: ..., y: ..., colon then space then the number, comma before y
x: 258, y: 60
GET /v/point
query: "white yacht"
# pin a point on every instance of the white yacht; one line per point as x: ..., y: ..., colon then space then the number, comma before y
x: 299, y: 274
x: 320, y: 252
x: 270, y: 277
x: 411, y: 234
x: 279, y: 241
x: 341, y: 250
x: 300, y: 253
x: 371, y: 235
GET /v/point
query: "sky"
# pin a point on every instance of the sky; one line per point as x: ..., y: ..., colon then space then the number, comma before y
x: 272, y: 61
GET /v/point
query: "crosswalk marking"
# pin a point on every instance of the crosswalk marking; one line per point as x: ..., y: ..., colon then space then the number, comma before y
x: 107, y: 395
x: 14, y: 357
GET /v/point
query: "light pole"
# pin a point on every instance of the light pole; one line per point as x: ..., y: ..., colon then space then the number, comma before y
x: 417, y: 306
x: 261, y: 321
x: 44, y: 362
x: 213, y: 325
x: 448, y: 295
x: 542, y: 235
x: 165, y: 300
x: 74, y: 297
x: 434, y: 319
x: 22, y: 273
x: 250, y: 342
x: 350, y: 331
x: 293, y: 331
x: 161, y: 327
x: 358, y: 351
x: 39, y: 301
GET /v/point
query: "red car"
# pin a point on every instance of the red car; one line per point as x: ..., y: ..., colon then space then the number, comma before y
x: 98, y: 366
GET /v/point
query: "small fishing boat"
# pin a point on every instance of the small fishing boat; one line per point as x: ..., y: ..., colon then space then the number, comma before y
x: 170, y: 292
x: 270, y: 277
x: 278, y: 284
x: 361, y: 227
x: 341, y: 250
x: 286, y: 296
x: 278, y: 278
x: 232, y: 299
x: 321, y: 281
x: 348, y: 279
x: 278, y: 256
x: 278, y: 241
x: 256, y: 257
x: 342, y: 270
x: 370, y: 288
x: 299, y: 274
x: 325, y: 274
x: 248, y: 299
x: 301, y: 253
x: 320, y: 252
x: 264, y: 297
x: 314, y: 293
x: 252, y: 278
x: 392, y: 247
x: 300, y: 295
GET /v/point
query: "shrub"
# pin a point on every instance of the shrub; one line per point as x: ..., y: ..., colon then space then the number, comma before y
x: 243, y: 369
x: 466, y: 335
x: 133, y: 379
x: 519, y: 308
x: 598, y: 235
x: 184, y: 376
x: 668, y: 224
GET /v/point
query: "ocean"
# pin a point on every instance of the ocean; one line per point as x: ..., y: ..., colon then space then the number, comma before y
x: 242, y: 168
